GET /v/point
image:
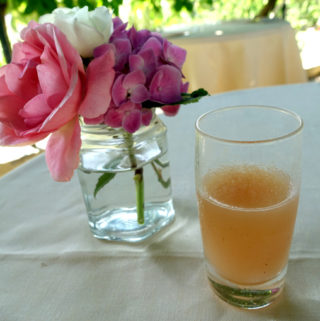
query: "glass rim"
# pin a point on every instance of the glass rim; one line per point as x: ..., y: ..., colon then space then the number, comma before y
x: 258, y: 141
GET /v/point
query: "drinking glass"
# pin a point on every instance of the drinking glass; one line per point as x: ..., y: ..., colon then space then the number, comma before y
x: 248, y: 169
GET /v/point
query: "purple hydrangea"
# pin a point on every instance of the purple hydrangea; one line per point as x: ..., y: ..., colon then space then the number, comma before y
x: 147, y: 68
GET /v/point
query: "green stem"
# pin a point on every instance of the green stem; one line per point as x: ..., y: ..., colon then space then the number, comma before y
x: 163, y: 165
x: 158, y: 171
x: 129, y: 142
x: 138, y: 179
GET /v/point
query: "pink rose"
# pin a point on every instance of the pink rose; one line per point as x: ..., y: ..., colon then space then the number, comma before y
x: 40, y: 94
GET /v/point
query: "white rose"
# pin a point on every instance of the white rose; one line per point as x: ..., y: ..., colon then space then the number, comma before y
x: 84, y: 29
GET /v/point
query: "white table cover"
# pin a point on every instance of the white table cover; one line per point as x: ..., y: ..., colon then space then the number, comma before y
x: 241, y: 54
x: 51, y: 268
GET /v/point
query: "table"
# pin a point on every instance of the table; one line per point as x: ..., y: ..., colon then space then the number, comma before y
x: 51, y: 268
x: 239, y: 54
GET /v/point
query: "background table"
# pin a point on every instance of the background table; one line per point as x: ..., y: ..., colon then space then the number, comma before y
x: 239, y: 54
x: 51, y: 268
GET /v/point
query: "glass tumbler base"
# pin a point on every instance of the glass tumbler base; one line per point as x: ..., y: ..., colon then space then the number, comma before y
x: 121, y: 224
x: 248, y: 297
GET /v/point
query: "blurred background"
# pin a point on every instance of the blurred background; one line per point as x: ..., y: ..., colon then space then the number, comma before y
x: 178, y: 20
x: 303, y: 16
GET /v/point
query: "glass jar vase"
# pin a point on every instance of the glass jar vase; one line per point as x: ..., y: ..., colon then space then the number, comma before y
x: 125, y: 181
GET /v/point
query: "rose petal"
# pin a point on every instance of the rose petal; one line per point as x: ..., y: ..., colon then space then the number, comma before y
x: 101, y: 20
x: 17, y: 78
x: 49, y: 75
x: 65, y: 50
x: 28, y: 34
x: 22, y: 52
x: 35, y: 107
x: 30, y: 110
x: 55, y: 99
x: 9, y: 105
x: 62, y: 151
x: 85, y: 30
x: 90, y: 39
x: 8, y: 136
x: 68, y: 106
x: 9, y: 110
x: 100, y: 76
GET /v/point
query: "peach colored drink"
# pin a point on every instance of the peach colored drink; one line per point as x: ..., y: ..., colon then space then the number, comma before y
x: 247, y: 217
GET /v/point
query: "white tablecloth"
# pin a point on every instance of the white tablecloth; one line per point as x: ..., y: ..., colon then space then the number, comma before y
x: 240, y: 54
x: 51, y: 268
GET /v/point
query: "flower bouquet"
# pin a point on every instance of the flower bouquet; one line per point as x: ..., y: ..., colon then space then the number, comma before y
x: 76, y: 71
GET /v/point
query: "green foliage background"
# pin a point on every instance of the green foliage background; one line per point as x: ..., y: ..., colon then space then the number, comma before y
x: 151, y: 13
x: 25, y: 10
x: 155, y: 14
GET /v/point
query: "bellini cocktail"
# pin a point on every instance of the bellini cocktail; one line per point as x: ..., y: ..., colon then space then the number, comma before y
x: 247, y: 200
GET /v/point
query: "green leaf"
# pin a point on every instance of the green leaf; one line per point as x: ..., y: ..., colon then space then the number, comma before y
x: 178, y: 5
x: 114, y: 4
x: 103, y: 180
x: 88, y: 3
x: 68, y: 3
x: 193, y: 97
x: 48, y: 6
x: 186, y: 98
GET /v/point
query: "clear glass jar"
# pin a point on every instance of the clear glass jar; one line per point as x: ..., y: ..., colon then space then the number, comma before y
x: 116, y: 158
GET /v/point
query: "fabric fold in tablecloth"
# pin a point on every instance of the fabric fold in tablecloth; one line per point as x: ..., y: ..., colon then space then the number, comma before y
x: 51, y: 268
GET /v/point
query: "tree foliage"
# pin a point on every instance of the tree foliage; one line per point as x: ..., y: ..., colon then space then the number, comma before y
x: 24, y: 10
x: 154, y: 14
x: 157, y: 13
